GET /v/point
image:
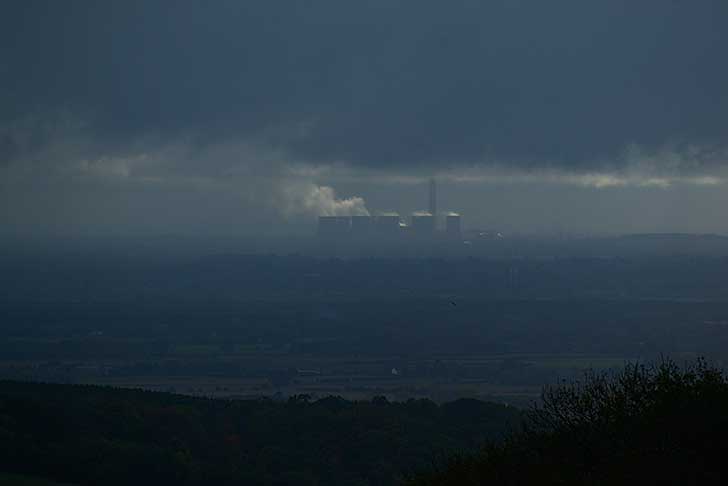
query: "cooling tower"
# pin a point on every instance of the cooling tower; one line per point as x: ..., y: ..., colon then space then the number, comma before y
x: 453, y: 226
x: 423, y: 223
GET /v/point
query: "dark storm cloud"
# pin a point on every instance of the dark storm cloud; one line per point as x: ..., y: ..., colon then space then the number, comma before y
x: 562, y: 84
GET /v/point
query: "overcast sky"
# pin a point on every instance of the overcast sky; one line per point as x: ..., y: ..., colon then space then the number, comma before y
x: 247, y: 117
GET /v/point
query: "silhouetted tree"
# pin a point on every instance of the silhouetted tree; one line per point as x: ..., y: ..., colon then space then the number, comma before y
x: 658, y: 424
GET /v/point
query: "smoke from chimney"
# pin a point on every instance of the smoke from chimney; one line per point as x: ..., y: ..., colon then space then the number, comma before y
x: 322, y: 201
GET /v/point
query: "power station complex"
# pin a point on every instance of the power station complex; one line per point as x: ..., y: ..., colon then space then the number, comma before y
x: 423, y: 225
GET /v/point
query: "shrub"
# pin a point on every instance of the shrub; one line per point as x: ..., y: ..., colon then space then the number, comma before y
x: 657, y: 424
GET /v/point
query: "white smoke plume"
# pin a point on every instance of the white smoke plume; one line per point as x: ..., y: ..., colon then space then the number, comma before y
x: 172, y: 184
x: 318, y: 200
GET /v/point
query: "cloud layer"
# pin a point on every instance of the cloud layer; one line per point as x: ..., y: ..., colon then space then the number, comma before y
x: 195, y: 114
x: 380, y: 84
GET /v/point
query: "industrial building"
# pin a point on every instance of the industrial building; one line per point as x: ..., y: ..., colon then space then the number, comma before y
x: 389, y: 226
x: 453, y: 226
x: 334, y: 226
x: 423, y: 224
x: 362, y: 225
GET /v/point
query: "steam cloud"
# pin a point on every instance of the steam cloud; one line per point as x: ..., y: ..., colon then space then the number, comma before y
x: 322, y: 201
x: 58, y: 176
x: 215, y: 185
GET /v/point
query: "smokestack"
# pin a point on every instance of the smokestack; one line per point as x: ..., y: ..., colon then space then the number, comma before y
x: 433, y: 198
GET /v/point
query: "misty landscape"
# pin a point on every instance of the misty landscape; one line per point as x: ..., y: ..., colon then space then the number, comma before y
x: 363, y: 243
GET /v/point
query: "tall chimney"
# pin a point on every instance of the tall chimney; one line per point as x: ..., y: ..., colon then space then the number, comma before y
x: 433, y: 198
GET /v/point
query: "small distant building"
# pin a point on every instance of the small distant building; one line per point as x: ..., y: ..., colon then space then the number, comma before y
x: 344, y: 223
x: 388, y: 224
x: 333, y: 226
x: 423, y: 223
x: 326, y: 225
x: 362, y: 225
x: 453, y: 226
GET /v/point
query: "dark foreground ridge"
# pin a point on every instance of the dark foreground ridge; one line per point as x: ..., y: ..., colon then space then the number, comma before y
x: 648, y: 425
x: 101, y: 435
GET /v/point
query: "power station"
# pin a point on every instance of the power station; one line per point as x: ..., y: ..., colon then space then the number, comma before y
x: 424, y: 226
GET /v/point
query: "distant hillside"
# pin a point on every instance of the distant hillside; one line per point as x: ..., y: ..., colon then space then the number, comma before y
x: 96, y: 435
x: 657, y: 425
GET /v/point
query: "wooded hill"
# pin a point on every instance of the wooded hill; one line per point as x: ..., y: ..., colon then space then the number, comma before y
x: 99, y: 435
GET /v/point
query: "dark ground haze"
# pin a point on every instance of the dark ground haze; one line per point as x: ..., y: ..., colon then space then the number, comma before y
x: 439, y: 327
